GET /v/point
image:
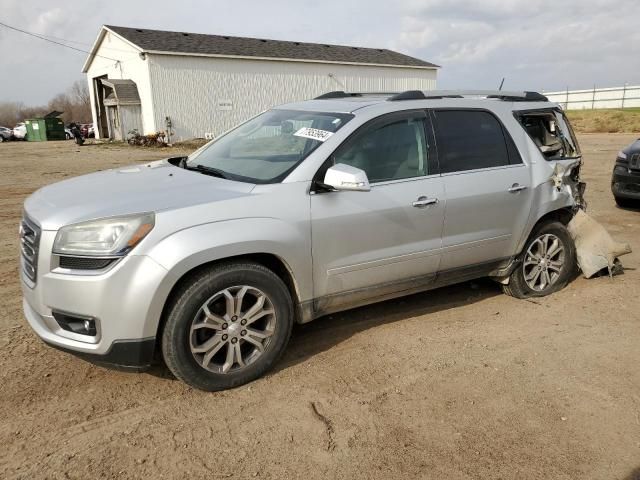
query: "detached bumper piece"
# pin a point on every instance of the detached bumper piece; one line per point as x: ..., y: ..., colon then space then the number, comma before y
x: 132, y: 355
x: 595, y: 248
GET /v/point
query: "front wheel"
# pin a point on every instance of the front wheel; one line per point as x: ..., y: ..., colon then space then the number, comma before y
x: 547, y: 263
x: 227, y: 326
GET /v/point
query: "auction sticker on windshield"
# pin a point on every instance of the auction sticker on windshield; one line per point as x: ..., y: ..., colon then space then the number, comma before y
x: 313, y: 133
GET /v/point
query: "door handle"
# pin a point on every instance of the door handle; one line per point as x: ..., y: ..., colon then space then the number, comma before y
x: 422, y: 202
x: 516, y: 187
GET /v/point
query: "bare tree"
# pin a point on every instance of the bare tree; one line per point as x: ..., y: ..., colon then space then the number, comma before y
x: 80, y: 91
x: 75, y: 104
x: 10, y: 113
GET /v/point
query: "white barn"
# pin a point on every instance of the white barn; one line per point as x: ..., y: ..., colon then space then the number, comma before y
x: 205, y: 84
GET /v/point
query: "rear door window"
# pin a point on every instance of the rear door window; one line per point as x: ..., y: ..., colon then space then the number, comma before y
x: 470, y: 140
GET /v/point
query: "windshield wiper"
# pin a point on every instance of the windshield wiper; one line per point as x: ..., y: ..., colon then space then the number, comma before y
x: 214, y: 172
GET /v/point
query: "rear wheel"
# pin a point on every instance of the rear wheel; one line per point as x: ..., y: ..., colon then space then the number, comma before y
x: 546, y: 264
x: 227, y: 326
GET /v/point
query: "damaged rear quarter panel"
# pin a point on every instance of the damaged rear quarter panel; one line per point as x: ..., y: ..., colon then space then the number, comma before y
x: 555, y: 185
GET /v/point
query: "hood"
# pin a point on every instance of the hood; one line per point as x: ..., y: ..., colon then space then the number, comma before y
x: 150, y: 187
x: 633, y: 148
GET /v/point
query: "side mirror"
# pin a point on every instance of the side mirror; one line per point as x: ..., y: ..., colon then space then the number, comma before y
x: 346, y: 177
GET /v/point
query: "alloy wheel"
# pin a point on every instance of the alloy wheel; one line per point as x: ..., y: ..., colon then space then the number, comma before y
x: 232, y: 329
x: 543, y: 262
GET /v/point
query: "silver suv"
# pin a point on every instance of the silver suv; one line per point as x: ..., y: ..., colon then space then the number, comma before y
x: 307, y: 209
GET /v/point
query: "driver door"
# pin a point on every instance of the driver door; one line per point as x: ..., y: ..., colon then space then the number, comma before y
x: 372, y: 244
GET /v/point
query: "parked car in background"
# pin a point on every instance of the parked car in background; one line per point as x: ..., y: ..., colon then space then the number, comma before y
x: 6, y: 134
x: 68, y: 133
x: 625, y: 180
x: 307, y: 209
x: 20, y: 131
x: 87, y: 130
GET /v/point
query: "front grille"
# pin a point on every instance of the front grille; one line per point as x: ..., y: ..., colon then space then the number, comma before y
x: 29, y: 244
x: 634, y: 161
x: 85, y: 263
x: 632, y: 188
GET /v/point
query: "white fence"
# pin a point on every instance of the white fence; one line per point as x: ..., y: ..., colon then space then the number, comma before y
x: 627, y: 96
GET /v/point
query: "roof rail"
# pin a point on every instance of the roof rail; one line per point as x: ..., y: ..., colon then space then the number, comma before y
x: 420, y: 95
x: 498, y: 94
x: 336, y: 94
x: 342, y: 94
x: 439, y: 94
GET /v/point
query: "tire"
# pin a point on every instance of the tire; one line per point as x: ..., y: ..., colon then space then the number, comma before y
x: 199, y: 356
x: 556, y: 268
x: 627, y: 202
x: 1, y: 139
x: 67, y: 136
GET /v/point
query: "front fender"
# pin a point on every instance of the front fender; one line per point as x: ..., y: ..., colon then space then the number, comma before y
x: 187, y: 249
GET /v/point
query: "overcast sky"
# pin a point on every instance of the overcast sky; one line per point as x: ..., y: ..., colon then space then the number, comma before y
x: 535, y: 44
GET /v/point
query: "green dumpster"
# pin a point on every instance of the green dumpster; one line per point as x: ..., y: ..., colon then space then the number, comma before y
x: 48, y: 128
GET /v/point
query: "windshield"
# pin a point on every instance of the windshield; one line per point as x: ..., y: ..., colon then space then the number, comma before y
x: 268, y: 147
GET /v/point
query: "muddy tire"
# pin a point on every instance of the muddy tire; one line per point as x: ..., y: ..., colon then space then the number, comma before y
x: 546, y: 264
x: 227, y: 326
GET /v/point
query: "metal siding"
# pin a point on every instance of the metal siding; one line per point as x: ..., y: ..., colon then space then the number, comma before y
x: 123, y: 62
x: 188, y: 89
x: 130, y: 119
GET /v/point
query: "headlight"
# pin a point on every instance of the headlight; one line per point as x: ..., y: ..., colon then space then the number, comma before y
x: 622, y: 155
x: 106, y: 237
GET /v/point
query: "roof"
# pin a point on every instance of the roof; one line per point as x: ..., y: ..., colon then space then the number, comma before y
x: 124, y: 92
x: 160, y: 41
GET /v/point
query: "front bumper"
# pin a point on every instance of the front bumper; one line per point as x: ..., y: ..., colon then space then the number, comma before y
x: 122, y: 301
x: 625, y: 184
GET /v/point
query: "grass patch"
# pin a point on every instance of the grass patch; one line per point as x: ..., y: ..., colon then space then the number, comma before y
x: 605, y: 121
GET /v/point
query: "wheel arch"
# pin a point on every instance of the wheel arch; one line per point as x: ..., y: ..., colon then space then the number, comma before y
x: 562, y: 215
x: 268, y: 260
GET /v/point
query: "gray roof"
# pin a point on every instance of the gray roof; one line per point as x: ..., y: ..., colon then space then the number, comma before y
x: 200, y: 44
x: 125, y: 91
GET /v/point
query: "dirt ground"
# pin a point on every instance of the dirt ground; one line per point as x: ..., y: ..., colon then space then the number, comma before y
x: 458, y: 383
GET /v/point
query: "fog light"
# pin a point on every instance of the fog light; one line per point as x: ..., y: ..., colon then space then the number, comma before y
x: 76, y: 324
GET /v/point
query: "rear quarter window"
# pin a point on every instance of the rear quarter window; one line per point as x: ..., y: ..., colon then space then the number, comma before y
x: 551, y: 131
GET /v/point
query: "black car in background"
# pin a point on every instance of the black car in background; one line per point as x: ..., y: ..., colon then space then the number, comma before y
x: 625, y: 182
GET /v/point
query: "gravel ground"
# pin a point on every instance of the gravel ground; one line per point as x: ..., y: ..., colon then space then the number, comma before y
x: 457, y: 383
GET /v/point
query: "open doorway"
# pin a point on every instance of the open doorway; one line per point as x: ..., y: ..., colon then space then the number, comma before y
x: 102, y: 124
